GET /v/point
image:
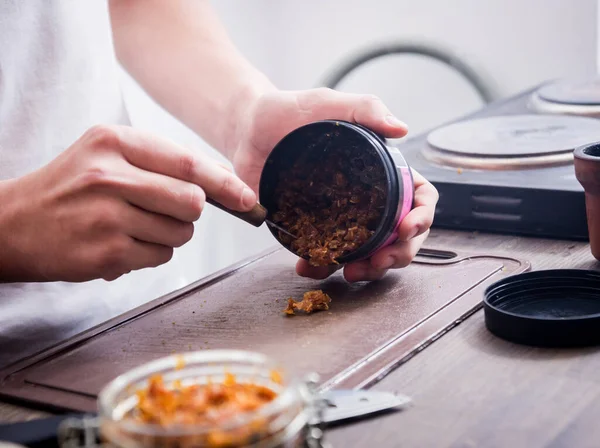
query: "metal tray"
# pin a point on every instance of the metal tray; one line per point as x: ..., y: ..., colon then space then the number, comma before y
x: 370, y: 328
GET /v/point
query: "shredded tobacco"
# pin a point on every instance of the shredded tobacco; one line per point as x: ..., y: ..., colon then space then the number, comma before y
x: 311, y: 301
x: 210, y: 405
x: 332, y: 201
x: 180, y: 363
x: 199, y: 404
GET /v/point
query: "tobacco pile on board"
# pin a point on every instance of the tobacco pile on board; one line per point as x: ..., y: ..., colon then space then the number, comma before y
x: 311, y: 301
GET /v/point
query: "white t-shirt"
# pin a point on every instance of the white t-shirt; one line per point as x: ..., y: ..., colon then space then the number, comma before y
x: 58, y: 77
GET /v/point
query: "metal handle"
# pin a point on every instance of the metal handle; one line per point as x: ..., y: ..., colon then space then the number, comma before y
x: 256, y: 216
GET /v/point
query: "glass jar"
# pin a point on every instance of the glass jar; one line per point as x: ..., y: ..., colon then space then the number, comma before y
x: 282, y: 422
x: 328, y: 136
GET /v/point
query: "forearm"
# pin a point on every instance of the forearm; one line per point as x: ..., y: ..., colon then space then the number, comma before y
x: 5, y: 252
x: 181, y: 55
x: 12, y: 267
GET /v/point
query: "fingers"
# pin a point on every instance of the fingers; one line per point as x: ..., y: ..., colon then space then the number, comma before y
x: 183, y: 201
x: 413, y: 231
x: 154, y: 228
x: 131, y: 238
x: 398, y: 255
x: 420, y: 218
x: 362, y: 271
x: 354, y: 272
x: 158, y: 155
x: 131, y: 255
x: 304, y: 269
x: 368, y: 110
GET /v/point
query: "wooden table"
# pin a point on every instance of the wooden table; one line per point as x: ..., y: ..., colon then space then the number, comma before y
x: 470, y: 389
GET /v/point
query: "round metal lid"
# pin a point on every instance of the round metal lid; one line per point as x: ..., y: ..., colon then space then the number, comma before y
x: 516, y: 135
x: 581, y: 92
x: 511, y: 141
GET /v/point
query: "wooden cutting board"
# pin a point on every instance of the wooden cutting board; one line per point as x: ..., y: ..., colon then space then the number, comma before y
x: 370, y: 327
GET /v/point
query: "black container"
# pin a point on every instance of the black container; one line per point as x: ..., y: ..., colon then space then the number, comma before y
x: 554, y: 308
x: 328, y: 135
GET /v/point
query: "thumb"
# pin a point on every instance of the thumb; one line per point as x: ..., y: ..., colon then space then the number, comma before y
x: 368, y: 110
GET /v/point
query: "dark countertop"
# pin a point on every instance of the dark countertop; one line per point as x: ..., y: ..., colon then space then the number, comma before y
x: 470, y: 389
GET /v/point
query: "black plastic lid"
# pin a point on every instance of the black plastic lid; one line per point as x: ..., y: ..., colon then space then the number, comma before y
x: 554, y: 308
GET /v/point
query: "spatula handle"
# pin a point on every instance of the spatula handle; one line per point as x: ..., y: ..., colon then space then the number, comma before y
x: 256, y: 216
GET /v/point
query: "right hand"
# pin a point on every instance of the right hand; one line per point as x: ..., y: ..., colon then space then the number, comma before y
x: 117, y: 200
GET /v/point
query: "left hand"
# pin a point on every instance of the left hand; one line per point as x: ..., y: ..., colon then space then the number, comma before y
x: 277, y: 113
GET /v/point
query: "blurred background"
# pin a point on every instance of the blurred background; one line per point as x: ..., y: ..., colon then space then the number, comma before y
x: 509, y: 44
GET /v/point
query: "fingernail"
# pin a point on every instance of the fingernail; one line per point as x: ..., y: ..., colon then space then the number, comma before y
x: 248, y: 198
x: 391, y: 119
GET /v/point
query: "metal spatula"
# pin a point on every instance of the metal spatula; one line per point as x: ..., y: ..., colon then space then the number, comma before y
x: 257, y: 216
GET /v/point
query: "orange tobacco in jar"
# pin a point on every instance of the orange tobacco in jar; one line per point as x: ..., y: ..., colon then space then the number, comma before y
x: 198, y: 404
x: 209, y: 399
x: 332, y: 201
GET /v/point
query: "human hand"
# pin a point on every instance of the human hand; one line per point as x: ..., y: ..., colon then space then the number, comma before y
x: 277, y: 113
x: 117, y: 200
